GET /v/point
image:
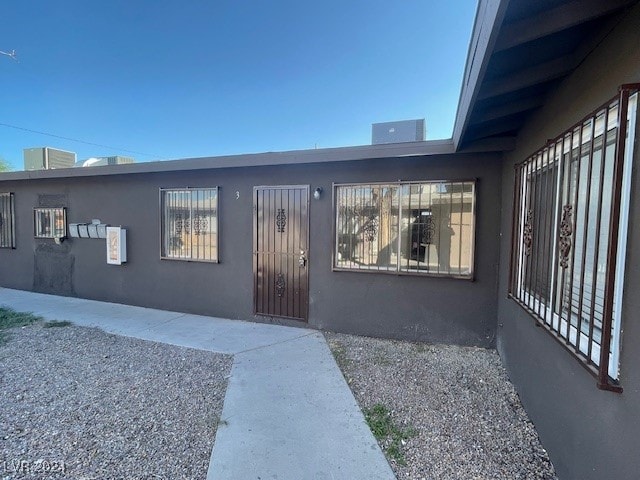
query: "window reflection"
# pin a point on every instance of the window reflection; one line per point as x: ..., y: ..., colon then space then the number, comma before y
x: 429, y: 223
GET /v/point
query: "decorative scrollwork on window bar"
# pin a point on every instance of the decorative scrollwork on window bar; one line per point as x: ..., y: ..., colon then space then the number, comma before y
x: 527, y: 234
x: 371, y: 229
x: 566, y: 230
x: 428, y: 231
x: 200, y: 225
x: 281, y: 220
x: 280, y: 285
x: 182, y: 224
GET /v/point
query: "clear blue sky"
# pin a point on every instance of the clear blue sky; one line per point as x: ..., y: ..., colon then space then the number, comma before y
x: 179, y: 79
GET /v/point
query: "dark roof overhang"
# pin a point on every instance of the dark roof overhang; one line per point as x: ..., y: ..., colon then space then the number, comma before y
x: 519, y: 51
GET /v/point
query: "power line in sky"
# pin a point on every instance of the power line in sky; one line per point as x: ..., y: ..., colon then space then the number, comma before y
x: 11, y: 54
x: 79, y: 141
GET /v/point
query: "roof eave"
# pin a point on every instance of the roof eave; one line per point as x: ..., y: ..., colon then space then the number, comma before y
x: 324, y: 155
x: 486, y: 29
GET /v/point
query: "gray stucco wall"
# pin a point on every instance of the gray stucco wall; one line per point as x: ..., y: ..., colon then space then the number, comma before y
x: 408, y: 307
x: 589, y: 433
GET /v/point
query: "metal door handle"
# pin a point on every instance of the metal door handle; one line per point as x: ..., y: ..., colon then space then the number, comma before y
x: 302, y: 261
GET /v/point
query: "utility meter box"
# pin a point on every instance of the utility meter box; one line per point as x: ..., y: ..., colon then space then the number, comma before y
x: 116, y: 245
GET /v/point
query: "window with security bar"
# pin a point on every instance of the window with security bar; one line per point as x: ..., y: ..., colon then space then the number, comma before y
x: 189, y: 224
x: 7, y: 221
x: 50, y: 222
x: 571, y: 206
x: 424, y: 228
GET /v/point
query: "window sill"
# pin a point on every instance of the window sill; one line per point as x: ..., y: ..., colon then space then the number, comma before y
x: 396, y: 273
x: 192, y: 260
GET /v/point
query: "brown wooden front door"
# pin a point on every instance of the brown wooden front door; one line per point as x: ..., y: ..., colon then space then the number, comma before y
x: 280, y: 251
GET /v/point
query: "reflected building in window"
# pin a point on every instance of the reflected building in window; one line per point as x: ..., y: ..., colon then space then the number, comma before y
x: 406, y: 227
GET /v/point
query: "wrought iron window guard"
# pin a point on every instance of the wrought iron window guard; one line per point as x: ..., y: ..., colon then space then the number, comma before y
x: 50, y: 222
x: 566, y: 266
x: 7, y: 221
x: 189, y: 224
x: 405, y: 228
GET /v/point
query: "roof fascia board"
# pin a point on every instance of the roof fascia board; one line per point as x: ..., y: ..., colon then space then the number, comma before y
x: 486, y: 29
x: 325, y: 155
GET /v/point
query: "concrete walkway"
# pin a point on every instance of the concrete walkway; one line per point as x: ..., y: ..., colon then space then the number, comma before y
x: 288, y: 413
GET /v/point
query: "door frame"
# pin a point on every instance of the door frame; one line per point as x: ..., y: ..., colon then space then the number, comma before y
x: 254, y: 255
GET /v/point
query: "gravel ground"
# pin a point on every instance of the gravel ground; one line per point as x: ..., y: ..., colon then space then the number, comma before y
x: 105, y: 406
x: 462, y: 416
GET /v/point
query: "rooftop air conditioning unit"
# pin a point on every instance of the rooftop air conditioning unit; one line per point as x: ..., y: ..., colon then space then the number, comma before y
x: 398, y: 132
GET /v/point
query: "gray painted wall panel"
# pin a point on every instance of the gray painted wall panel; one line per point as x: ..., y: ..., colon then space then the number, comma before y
x: 589, y: 433
x: 410, y: 307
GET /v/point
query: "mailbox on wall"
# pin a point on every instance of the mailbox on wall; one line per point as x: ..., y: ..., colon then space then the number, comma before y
x: 95, y: 229
x: 74, y: 230
x: 83, y: 230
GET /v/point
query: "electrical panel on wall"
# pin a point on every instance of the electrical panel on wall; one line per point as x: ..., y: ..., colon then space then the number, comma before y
x: 116, y: 245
